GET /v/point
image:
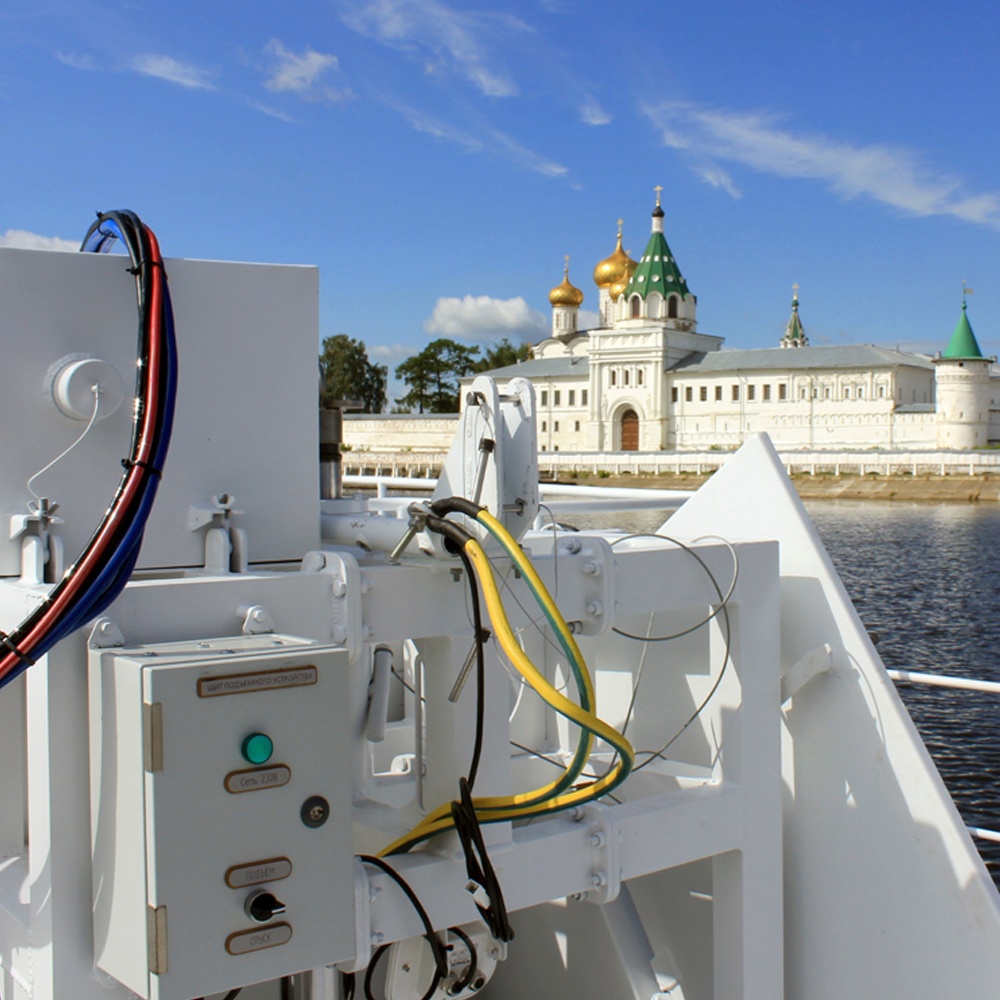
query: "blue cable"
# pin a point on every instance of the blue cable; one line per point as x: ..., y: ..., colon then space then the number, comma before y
x: 120, y: 564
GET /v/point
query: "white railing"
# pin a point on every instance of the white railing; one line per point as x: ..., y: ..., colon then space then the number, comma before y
x: 836, y: 463
x: 964, y: 684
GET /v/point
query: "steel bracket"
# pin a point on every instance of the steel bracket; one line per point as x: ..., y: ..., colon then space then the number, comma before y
x: 606, y: 851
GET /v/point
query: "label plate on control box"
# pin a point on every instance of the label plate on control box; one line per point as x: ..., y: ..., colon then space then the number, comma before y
x: 258, y: 871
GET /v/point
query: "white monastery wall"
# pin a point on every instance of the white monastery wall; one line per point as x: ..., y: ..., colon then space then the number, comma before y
x: 399, y: 432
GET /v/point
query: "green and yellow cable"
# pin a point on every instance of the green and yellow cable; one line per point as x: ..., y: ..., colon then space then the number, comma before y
x: 559, y: 626
x: 554, y: 796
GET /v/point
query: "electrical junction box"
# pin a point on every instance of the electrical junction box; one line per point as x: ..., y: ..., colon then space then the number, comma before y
x: 220, y: 813
x: 246, y: 423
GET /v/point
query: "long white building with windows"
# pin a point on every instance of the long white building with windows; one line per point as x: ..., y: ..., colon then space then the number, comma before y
x: 647, y: 380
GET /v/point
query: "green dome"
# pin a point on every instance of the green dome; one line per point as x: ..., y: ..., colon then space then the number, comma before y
x: 963, y: 341
x: 657, y: 271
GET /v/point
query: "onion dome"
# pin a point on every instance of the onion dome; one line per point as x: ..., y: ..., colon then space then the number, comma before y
x: 622, y: 283
x: 613, y: 269
x: 566, y: 294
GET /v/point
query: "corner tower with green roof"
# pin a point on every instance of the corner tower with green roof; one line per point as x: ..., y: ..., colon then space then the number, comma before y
x: 962, y: 384
x: 963, y: 343
x: 657, y: 289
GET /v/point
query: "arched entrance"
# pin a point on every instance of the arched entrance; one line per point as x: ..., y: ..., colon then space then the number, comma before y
x: 630, y: 431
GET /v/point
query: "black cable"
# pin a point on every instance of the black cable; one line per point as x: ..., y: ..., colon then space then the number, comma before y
x: 370, y: 971
x: 94, y: 579
x: 478, y: 865
x: 461, y: 984
x: 348, y: 985
x: 437, y: 948
x: 459, y: 536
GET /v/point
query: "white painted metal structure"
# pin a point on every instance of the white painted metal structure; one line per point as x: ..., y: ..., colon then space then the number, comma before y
x: 791, y: 839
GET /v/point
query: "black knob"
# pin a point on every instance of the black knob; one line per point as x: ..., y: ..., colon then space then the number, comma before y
x: 263, y: 906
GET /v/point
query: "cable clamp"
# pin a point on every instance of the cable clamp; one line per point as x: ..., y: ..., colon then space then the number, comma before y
x: 128, y: 463
x: 478, y: 893
x: 23, y: 657
x: 144, y: 263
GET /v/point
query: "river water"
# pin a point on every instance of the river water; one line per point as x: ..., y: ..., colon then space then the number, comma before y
x: 926, y: 580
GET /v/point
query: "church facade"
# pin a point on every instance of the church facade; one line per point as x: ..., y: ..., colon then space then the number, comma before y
x: 646, y: 380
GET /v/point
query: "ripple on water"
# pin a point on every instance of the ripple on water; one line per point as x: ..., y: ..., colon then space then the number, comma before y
x: 926, y: 578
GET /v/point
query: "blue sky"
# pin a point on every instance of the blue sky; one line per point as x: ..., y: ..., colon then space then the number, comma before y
x: 438, y: 158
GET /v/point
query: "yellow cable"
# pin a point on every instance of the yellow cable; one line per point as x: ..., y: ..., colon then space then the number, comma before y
x: 541, y: 800
x: 541, y: 593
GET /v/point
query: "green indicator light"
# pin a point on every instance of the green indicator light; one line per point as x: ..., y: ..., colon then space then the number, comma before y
x: 257, y: 748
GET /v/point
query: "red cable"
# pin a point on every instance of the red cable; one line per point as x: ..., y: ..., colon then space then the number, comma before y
x: 134, y: 477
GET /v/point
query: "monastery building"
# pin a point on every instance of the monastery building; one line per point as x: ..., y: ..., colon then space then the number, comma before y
x: 647, y: 380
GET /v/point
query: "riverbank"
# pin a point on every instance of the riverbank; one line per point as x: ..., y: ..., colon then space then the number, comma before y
x: 925, y: 488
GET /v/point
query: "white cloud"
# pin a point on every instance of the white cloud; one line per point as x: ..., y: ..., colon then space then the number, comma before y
x: 889, y: 174
x: 455, y: 38
x: 712, y: 173
x: 524, y: 157
x: 303, y: 74
x: 480, y: 317
x: 438, y: 129
x: 172, y: 70
x: 588, y: 319
x: 390, y: 354
x: 592, y: 113
x: 32, y: 241
x: 77, y: 61
x: 493, y: 141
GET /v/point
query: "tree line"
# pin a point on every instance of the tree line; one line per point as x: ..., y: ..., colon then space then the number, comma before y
x: 431, y: 377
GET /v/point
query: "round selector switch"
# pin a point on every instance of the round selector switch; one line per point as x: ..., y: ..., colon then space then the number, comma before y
x: 263, y: 906
x: 257, y: 748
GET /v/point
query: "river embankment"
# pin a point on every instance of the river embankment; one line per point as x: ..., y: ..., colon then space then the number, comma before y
x: 822, y: 486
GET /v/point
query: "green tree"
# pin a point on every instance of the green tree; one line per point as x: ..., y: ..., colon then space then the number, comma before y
x: 432, y: 376
x: 350, y: 375
x: 501, y: 354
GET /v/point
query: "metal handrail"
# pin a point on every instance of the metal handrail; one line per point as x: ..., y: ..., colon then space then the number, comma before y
x: 964, y: 684
x: 944, y: 680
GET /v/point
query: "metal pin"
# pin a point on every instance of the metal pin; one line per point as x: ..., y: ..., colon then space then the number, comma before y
x: 463, y: 675
x: 411, y: 533
x: 486, y: 446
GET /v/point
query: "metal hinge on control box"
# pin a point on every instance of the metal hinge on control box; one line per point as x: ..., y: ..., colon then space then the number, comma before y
x: 219, y: 797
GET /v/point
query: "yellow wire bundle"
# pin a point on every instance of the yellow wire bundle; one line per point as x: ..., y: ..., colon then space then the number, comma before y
x: 556, y: 795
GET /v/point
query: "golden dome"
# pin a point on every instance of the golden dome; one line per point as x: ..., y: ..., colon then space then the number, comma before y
x: 566, y: 294
x: 621, y: 284
x: 615, y: 268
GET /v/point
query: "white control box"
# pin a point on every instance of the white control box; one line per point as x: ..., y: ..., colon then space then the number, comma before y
x: 220, y: 813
